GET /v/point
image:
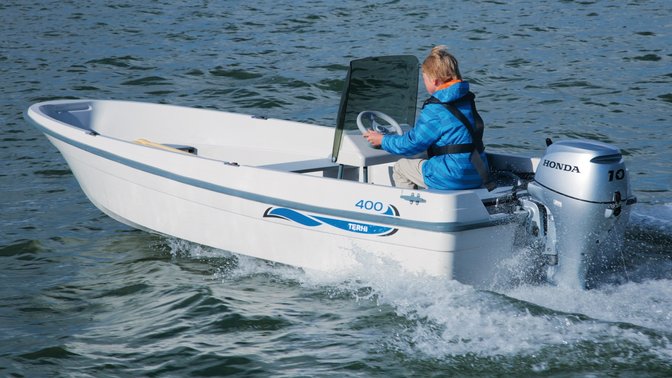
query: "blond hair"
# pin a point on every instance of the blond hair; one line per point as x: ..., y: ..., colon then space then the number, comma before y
x: 441, y: 65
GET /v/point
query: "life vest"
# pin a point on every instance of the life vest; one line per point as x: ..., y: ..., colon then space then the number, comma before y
x: 476, y: 146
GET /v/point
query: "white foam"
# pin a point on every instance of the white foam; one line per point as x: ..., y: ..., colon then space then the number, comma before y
x: 451, y: 319
x: 446, y: 318
x: 180, y: 248
x: 647, y: 304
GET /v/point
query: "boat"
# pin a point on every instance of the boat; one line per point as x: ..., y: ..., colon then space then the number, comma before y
x: 320, y: 198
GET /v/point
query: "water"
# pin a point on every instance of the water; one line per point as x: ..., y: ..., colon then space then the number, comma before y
x: 83, y: 295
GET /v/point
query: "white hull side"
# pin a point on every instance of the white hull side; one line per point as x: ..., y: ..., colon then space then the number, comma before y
x: 235, y: 224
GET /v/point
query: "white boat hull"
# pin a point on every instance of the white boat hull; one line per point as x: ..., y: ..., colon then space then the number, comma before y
x: 231, y: 207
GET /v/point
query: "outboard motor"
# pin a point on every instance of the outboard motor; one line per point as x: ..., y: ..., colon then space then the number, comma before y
x: 585, y: 191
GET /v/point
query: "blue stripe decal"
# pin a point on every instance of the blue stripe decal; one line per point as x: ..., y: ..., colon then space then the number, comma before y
x: 359, y: 217
x: 391, y: 210
x: 291, y: 215
x: 315, y: 220
x: 360, y: 228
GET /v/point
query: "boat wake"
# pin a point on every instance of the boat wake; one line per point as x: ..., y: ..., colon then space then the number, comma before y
x: 537, y: 325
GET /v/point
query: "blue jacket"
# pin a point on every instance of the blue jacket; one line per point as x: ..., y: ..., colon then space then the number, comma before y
x: 436, y: 125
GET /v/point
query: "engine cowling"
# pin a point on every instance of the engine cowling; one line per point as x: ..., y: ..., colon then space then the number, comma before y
x: 585, y: 188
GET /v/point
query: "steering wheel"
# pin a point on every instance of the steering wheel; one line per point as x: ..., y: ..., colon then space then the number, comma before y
x: 393, y: 126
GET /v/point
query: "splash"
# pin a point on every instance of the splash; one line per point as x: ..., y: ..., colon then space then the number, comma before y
x: 646, y: 304
x: 229, y: 265
x: 439, y: 319
x: 446, y: 320
x: 183, y: 248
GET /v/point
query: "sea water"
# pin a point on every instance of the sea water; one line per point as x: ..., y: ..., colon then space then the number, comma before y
x: 82, y: 295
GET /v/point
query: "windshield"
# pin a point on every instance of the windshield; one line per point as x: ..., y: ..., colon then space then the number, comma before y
x: 388, y: 84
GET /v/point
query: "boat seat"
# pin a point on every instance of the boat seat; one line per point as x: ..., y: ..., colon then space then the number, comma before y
x: 302, y: 166
x: 184, y: 148
x: 180, y: 148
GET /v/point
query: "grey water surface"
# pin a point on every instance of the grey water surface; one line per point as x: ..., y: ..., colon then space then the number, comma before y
x: 84, y: 296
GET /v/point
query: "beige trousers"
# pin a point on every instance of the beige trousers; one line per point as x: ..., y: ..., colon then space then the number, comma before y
x: 407, y: 173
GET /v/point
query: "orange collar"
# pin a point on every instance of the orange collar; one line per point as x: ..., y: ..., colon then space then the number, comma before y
x: 447, y: 84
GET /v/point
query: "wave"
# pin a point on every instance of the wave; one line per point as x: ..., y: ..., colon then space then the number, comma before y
x: 653, y: 218
x: 440, y: 320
